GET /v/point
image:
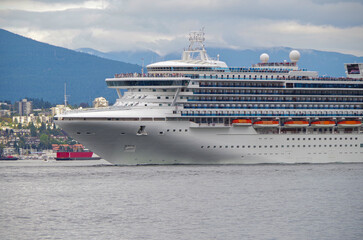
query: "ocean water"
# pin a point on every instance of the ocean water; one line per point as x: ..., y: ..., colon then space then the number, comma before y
x: 93, y: 200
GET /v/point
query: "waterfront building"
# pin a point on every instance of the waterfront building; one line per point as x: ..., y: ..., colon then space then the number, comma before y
x: 59, y: 109
x: 24, y: 107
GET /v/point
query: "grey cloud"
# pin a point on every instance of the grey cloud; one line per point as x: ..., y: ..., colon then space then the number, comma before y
x: 162, y: 25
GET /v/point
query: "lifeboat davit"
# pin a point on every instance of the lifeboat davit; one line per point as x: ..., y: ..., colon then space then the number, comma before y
x: 266, y: 124
x: 322, y: 124
x: 296, y: 124
x: 350, y: 123
x: 242, y: 122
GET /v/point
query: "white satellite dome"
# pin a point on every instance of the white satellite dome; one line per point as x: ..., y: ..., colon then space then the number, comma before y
x: 294, y: 56
x: 264, y: 57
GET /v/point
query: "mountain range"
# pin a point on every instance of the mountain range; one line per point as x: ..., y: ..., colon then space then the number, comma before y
x: 33, y: 69
x: 29, y: 68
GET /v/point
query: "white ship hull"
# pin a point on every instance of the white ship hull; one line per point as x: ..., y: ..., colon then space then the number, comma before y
x: 169, y: 142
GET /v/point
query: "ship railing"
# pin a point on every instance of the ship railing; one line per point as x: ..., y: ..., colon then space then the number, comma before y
x: 275, y: 64
x: 204, y: 76
x: 110, y: 108
x: 132, y: 75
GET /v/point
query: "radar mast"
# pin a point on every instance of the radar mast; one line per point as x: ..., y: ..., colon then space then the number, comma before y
x: 196, y: 38
x: 196, y: 45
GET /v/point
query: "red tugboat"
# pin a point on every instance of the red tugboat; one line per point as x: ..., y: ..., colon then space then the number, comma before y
x: 67, y: 156
x: 8, y: 158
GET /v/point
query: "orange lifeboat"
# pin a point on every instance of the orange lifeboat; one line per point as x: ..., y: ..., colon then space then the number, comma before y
x: 265, y: 124
x: 349, y: 124
x: 242, y: 122
x: 296, y: 124
x: 322, y: 124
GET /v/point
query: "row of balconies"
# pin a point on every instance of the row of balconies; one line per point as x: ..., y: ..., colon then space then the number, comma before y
x: 279, y: 92
x: 274, y: 114
x: 273, y: 106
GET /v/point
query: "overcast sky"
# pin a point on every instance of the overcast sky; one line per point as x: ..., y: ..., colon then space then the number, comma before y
x: 163, y: 25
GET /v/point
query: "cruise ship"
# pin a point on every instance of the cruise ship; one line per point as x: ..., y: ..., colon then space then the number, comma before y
x: 197, y: 110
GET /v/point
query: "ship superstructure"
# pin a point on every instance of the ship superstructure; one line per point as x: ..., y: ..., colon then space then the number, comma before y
x: 197, y: 110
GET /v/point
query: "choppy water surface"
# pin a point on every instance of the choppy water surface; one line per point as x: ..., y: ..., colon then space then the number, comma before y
x: 87, y: 200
